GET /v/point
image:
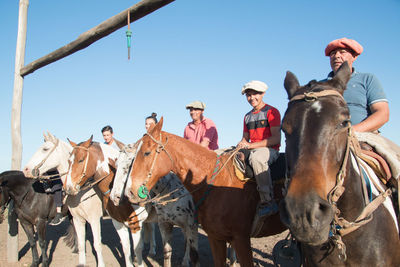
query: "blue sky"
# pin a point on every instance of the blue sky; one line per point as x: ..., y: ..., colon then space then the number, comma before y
x: 188, y: 50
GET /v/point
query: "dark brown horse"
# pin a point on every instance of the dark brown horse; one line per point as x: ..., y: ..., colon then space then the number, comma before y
x: 33, y: 207
x: 225, y: 204
x: 325, y: 206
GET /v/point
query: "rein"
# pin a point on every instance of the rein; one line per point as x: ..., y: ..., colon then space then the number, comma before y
x: 340, y: 226
x: 143, y: 191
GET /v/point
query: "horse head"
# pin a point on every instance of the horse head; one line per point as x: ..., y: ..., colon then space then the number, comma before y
x: 124, y: 164
x: 89, y: 159
x: 316, y: 126
x: 80, y: 169
x: 151, y: 163
x: 52, y: 154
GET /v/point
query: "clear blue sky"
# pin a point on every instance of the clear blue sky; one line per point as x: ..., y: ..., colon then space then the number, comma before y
x: 188, y: 50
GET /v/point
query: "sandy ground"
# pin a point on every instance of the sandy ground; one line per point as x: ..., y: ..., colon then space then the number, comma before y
x: 61, y: 255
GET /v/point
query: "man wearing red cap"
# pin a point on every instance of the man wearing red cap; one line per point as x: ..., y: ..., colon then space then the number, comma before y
x: 368, y: 105
x: 364, y: 95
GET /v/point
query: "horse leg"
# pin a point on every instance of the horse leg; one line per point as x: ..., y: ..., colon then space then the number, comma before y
x: 29, y: 231
x: 218, y: 248
x: 79, y: 224
x: 190, y: 232
x: 123, y: 233
x: 242, y: 247
x: 138, y: 245
x: 166, y: 234
x: 41, y: 231
x: 150, y: 236
x: 95, y: 224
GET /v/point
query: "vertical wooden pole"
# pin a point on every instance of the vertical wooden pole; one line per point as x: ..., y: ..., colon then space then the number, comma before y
x: 12, y: 241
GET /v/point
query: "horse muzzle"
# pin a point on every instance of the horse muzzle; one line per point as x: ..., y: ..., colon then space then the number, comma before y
x: 308, y: 217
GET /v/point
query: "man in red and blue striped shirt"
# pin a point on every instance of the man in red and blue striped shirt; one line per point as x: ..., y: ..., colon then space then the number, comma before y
x: 262, y: 136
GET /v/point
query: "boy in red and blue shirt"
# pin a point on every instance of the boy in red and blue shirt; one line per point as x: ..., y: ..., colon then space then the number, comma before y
x: 262, y: 136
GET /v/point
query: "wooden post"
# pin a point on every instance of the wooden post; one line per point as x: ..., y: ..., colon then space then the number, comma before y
x: 12, y: 241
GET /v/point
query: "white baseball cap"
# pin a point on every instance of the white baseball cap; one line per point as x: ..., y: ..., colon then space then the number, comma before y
x: 258, y: 86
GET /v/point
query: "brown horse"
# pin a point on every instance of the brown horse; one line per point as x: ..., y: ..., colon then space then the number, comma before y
x: 326, y: 207
x: 226, y: 205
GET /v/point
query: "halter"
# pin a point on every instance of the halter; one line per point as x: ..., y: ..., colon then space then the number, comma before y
x: 83, y: 175
x: 36, y: 168
x: 143, y: 192
x: 340, y: 226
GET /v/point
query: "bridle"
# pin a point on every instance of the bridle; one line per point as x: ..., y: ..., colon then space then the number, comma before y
x: 340, y: 226
x: 143, y: 192
x: 83, y: 174
x: 35, y: 170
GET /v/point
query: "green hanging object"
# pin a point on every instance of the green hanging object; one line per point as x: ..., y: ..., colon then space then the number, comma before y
x: 143, y: 192
x: 129, y: 35
x: 129, y: 40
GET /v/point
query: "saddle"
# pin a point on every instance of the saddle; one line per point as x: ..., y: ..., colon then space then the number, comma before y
x: 245, y: 172
x: 376, y: 162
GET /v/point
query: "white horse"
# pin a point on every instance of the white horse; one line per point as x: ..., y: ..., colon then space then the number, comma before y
x: 172, y: 202
x: 85, y: 206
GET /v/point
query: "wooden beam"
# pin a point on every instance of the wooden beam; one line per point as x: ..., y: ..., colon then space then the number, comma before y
x: 105, y: 28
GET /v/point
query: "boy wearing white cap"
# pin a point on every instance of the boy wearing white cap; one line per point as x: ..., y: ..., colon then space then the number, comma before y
x: 262, y: 136
x: 201, y: 130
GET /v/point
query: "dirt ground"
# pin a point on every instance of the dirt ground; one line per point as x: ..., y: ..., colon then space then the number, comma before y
x: 61, y: 255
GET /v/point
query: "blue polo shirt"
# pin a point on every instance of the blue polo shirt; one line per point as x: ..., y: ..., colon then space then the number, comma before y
x: 363, y: 90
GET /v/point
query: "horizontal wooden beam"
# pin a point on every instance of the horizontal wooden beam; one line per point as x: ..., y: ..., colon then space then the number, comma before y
x: 87, y: 38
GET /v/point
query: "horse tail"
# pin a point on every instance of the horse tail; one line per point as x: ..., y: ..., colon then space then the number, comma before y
x: 71, y: 238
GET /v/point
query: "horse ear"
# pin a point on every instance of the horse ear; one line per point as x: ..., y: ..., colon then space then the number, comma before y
x: 119, y: 144
x: 157, y: 128
x: 52, y: 137
x: 72, y: 143
x: 291, y: 84
x: 45, y: 137
x: 88, y: 142
x: 112, y: 163
x: 342, y: 77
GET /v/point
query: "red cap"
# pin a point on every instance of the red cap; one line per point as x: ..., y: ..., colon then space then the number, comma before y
x: 344, y: 43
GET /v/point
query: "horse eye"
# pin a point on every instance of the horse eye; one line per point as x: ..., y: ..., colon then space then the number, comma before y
x: 45, y: 149
x: 81, y: 160
x: 345, y: 123
x: 146, y: 153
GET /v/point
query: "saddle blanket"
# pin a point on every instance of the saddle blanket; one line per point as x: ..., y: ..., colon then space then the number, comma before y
x: 374, y: 183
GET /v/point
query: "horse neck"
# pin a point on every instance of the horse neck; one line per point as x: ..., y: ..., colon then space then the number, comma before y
x: 102, y: 168
x: 193, y: 163
x: 65, y: 151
